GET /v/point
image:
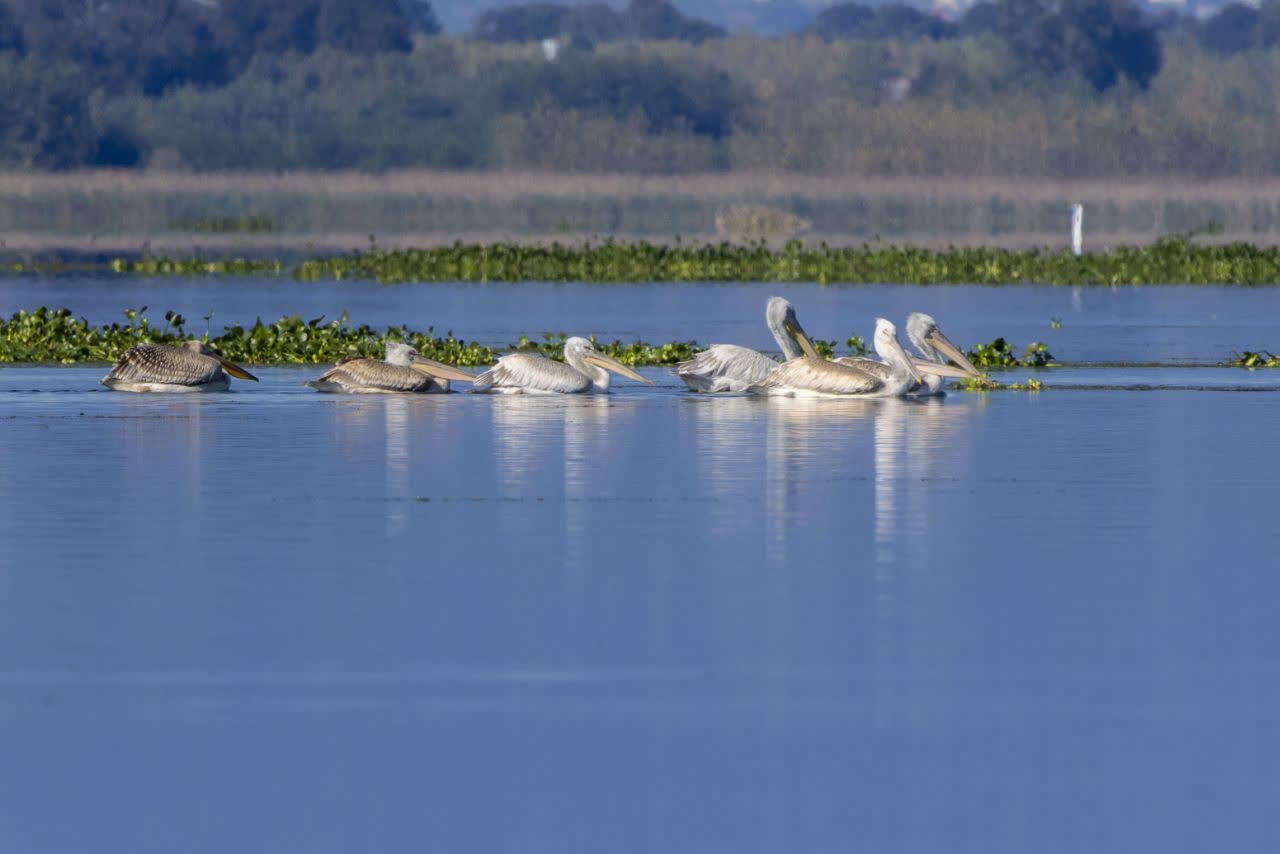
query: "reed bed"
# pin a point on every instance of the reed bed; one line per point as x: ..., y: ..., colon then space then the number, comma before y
x: 87, y: 209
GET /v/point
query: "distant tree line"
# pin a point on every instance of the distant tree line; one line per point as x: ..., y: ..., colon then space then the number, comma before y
x: 1101, y: 39
x: 293, y: 84
x: 641, y: 20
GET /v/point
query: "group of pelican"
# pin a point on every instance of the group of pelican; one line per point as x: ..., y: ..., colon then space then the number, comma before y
x: 805, y: 373
x: 197, y: 366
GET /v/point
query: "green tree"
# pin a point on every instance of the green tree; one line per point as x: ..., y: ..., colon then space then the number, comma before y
x: 11, y: 38
x: 1232, y: 30
x: 658, y: 19
x: 1099, y: 39
x: 47, y: 123
x: 367, y: 26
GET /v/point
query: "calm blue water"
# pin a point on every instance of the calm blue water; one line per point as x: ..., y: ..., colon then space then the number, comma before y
x: 281, y: 621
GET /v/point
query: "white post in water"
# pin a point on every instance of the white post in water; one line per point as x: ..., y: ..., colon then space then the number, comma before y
x: 1077, y: 229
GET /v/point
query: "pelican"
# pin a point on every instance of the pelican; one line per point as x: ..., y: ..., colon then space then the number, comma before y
x: 191, y: 366
x: 404, y: 371
x: 529, y: 373
x: 933, y: 346
x: 814, y: 376
x: 728, y: 367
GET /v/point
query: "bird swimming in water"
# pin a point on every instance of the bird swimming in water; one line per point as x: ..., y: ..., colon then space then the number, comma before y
x: 935, y: 349
x: 731, y: 368
x: 191, y: 366
x: 404, y: 371
x: 586, y: 370
x: 814, y: 376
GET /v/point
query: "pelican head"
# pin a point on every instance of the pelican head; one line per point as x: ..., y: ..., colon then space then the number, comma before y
x: 204, y: 348
x: 582, y: 355
x: 780, y: 315
x: 888, y: 348
x: 407, y: 356
x: 925, y: 336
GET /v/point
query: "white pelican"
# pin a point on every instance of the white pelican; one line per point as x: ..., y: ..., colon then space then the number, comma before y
x: 728, y: 367
x: 404, y: 371
x: 933, y: 346
x: 531, y: 373
x: 814, y: 376
x: 192, y: 366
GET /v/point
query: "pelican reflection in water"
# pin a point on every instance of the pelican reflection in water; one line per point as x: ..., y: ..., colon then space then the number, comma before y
x: 731, y: 368
x: 586, y: 371
x: 405, y: 371
x: 193, y: 366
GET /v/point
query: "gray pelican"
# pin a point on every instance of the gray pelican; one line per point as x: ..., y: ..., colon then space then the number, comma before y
x: 814, y: 376
x: 728, y: 367
x: 405, y: 371
x: 530, y: 373
x: 191, y: 366
x: 933, y: 346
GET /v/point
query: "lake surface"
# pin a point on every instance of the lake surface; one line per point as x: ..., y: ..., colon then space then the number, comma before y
x: 276, y: 620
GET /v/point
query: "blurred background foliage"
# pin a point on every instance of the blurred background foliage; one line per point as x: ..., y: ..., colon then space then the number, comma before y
x: 1017, y: 88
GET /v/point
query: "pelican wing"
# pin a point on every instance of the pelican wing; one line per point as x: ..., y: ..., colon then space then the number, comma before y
x: 869, y: 366
x: 532, y: 373
x: 161, y: 364
x: 818, y: 376
x: 375, y: 375
x: 725, y: 367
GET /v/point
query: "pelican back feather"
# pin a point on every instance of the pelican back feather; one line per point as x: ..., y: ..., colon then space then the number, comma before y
x: 818, y: 376
x: 160, y: 364
x: 724, y: 367
x: 374, y: 375
x: 531, y: 373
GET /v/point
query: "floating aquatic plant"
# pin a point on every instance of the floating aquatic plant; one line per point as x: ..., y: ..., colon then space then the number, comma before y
x: 1260, y: 359
x: 154, y: 266
x: 987, y: 384
x: 55, y: 335
x: 1173, y: 260
x: 1001, y: 354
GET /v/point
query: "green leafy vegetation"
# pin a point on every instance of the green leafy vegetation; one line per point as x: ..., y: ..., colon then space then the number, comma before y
x: 1167, y: 261
x: 984, y: 384
x: 1170, y: 261
x: 1001, y: 354
x: 1251, y: 359
x: 55, y: 335
x: 156, y: 266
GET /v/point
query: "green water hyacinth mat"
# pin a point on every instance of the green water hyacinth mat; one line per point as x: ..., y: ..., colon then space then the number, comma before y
x: 55, y: 335
x: 46, y: 335
x: 1168, y: 261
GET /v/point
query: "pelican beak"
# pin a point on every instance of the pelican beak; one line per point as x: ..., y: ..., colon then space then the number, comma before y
x: 940, y: 343
x: 236, y: 371
x: 926, y: 367
x: 912, y: 368
x: 600, y: 360
x: 803, y: 340
x: 440, y: 370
